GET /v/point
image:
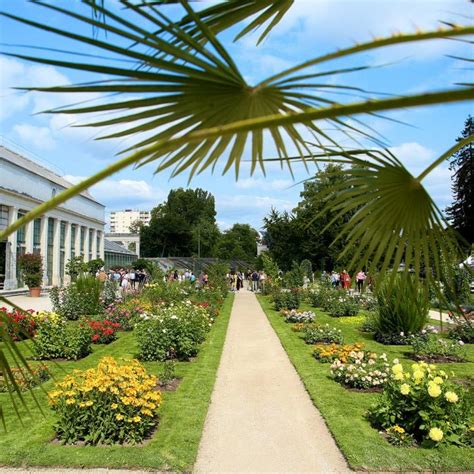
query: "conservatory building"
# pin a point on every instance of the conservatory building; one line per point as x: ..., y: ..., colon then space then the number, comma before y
x: 74, y: 228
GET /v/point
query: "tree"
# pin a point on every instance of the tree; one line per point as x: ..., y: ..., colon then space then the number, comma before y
x: 238, y: 243
x: 184, y: 225
x: 461, y: 211
x: 136, y: 226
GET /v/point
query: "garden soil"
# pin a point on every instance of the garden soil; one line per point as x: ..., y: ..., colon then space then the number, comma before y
x: 261, y: 419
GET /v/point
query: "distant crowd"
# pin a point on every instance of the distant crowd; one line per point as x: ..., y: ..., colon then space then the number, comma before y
x: 343, y: 280
x: 202, y: 279
x: 254, y: 280
x: 125, y: 278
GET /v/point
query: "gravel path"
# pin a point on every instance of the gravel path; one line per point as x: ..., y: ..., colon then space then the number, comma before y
x: 261, y: 419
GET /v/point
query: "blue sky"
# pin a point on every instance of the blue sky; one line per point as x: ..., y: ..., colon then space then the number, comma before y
x: 311, y: 28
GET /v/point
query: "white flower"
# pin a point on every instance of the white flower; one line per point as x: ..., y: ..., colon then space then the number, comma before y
x: 461, y: 343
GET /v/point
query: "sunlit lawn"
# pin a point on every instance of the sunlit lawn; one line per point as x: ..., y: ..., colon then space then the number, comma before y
x: 344, y: 411
x: 182, y: 415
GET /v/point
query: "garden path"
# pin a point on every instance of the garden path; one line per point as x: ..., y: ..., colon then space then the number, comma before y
x: 261, y: 419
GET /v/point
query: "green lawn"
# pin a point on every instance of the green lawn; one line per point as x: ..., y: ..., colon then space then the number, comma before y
x: 344, y: 411
x: 182, y: 415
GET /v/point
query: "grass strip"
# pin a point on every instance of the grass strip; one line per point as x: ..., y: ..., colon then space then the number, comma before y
x: 344, y: 410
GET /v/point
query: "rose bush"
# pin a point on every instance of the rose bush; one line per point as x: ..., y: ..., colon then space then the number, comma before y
x: 18, y: 324
x: 313, y: 333
x: 294, y: 316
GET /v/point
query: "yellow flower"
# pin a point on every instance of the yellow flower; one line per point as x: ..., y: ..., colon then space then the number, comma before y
x: 418, y: 375
x: 397, y: 369
x: 451, y: 397
x: 398, y: 376
x: 119, y: 417
x: 137, y: 419
x: 114, y: 406
x: 436, y: 434
x: 89, y: 403
x: 405, y: 389
x: 398, y: 429
x: 70, y: 401
x: 438, y: 380
x: 434, y: 390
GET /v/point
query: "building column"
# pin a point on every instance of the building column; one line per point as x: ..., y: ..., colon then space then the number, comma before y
x: 29, y: 231
x: 67, y: 251
x: 11, y: 282
x: 77, y: 243
x: 44, y: 248
x: 94, y: 244
x: 86, y: 244
x: 57, y: 253
x: 102, y: 245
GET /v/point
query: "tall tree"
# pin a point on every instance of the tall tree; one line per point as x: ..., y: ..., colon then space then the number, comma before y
x: 461, y: 212
x: 184, y: 224
x: 238, y: 243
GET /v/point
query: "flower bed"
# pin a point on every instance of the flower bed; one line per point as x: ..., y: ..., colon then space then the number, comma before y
x: 174, y: 332
x: 436, y: 349
x: 343, y: 305
x: 329, y: 353
x: 425, y: 404
x: 286, y: 299
x: 362, y: 371
x: 314, y: 333
x: 25, y: 379
x: 102, y: 331
x: 463, y: 331
x: 109, y: 404
x: 56, y: 339
x: 294, y: 316
x: 19, y: 324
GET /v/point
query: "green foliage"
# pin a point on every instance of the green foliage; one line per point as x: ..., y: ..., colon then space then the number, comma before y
x: 402, y: 309
x: 343, y: 305
x: 314, y: 333
x: 173, y: 332
x: 168, y: 372
x: 294, y: 277
x: 286, y: 299
x: 76, y: 266
x: 462, y: 331
x: 25, y: 379
x: 109, y: 293
x: 461, y: 211
x: 31, y: 268
x: 456, y: 283
x: 425, y: 404
x: 143, y: 264
x: 95, y: 265
x: 184, y: 222
x: 81, y: 298
x: 238, y: 243
x: 55, y: 339
x: 217, y: 273
x: 434, y: 348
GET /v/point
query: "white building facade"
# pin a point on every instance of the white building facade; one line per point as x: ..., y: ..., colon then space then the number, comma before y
x: 72, y: 229
x: 120, y: 221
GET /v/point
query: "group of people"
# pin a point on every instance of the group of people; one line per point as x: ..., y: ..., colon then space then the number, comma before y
x: 188, y: 276
x: 255, y: 280
x: 343, y: 280
x: 126, y: 279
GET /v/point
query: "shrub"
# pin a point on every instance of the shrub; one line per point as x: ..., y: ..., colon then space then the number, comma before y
x: 109, y: 293
x: 317, y: 297
x: 402, y: 310
x: 173, y: 332
x: 434, y: 348
x: 397, y: 436
x: 344, y: 305
x: 55, y: 339
x: 102, y: 331
x: 286, y: 299
x: 313, y: 333
x: 19, y: 324
x: 363, y: 370
x: 370, y: 323
x: 425, y: 404
x: 365, y: 301
x: 25, y: 379
x: 462, y: 331
x: 127, y: 314
x: 294, y: 316
x: 329, y: 353
x: 80, y: 298
x: 31, y: 268
x: 166, y: 292
x: 109, y: 404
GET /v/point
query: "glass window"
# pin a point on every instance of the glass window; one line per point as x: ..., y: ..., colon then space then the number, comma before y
x: 20, y: 247
x: 37, y: 236
x: 4, y: 214
x: 50, y: 255
x: 98, y: 245
x: 62, y: 249
x: 73, y: 240
x: 83, y: 240
x: 91, y: 240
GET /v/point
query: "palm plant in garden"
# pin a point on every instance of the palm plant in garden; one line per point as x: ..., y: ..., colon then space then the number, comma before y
x: 179, y: 95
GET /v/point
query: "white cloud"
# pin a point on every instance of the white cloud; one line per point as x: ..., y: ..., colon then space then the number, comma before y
x: 39, y: 137
x: 261, y: 183
x: 123, y: 193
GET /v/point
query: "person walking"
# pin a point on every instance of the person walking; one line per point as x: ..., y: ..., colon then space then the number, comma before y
x: 254, y: 281
x: 240, y: 281
x: 360, y: 278
x: 345, y: 280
